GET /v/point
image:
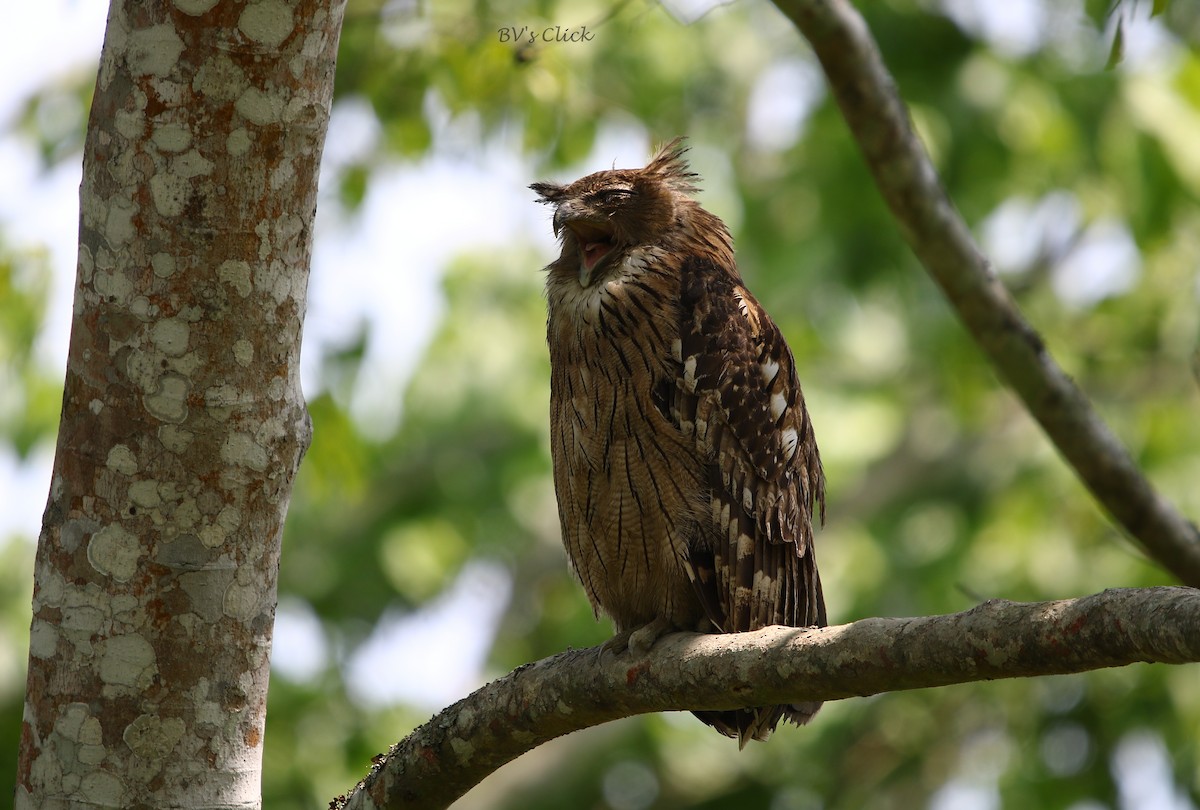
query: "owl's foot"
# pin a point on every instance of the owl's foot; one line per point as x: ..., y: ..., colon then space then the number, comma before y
x: 639, y: 640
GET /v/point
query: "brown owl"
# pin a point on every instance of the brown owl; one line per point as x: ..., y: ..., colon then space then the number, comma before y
x: 685, y: 464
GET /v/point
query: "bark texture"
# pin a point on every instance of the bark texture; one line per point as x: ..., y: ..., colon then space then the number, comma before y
x: 905, y: 176
x: 444, y: 758
x: 183, y: 422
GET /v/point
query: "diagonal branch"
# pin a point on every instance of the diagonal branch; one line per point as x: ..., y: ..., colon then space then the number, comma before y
x: 577, y: 689
x: 879, y: 121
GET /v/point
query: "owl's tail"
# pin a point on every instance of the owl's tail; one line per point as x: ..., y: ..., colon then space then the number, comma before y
x: 757, y: 724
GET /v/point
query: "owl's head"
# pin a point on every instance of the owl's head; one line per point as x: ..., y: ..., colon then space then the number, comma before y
x: 603, y: 216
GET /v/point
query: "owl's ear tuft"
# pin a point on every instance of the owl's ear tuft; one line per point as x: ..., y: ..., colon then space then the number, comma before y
x: 549, y: 193
x: 670, y: 167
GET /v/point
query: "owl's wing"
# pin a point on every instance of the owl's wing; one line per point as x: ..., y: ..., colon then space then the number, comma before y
x: 738, y: 397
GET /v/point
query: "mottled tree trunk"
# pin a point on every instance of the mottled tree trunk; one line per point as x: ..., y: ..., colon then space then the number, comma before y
x: 183, y: 421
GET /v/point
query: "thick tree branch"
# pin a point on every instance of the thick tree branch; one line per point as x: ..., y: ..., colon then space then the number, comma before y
x: 936, y: 232
x: 577, y: 689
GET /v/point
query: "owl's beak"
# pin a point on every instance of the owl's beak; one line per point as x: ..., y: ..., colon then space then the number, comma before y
x: 595, y: 242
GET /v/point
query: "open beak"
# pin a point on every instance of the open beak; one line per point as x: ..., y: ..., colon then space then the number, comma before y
x: 595, y: 244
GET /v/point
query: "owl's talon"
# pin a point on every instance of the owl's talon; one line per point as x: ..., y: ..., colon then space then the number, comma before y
x: 642, y: 639
x: 638, y: 640
x: 618, y: 644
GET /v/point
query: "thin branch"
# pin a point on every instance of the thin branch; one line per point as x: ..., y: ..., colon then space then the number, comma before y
x: 936, y: 232
x: 577, y: 689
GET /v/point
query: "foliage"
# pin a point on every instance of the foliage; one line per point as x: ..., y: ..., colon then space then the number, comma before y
x: 29, y: 402
x: 1083, y: 185
x: 29, y: 399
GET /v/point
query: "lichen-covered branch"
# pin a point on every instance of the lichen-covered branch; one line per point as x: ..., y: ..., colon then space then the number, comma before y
x: 879, y: 121
x: 535, y: 703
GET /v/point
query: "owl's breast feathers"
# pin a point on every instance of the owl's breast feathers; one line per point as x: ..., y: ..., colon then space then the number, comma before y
x: 630, y: 487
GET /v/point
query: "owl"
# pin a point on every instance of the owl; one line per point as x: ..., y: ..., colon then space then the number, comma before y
x: 685, y: 465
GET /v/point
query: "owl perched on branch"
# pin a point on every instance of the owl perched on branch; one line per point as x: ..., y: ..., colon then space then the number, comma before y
x: 685, y: 464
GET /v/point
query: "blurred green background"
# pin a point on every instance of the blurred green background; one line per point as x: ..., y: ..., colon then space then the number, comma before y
x: 422, y: 556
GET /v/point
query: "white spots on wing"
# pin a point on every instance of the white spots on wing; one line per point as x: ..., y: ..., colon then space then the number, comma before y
x: 778, y: 406
x: 745, y: 546
x: 748, y: 307
x: 741, y: 302
x: 770, y: 369
x: 689, y: 374
x: 720, y: 512
x: 742, y: 595
x: 790, y: 440
x: 677, y: 352
x: 764, y: 583
x: 689, y: 569
x: 747, y: 499
x: 729, y: 522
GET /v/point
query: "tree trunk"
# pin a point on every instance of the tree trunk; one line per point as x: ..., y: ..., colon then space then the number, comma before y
x: 183, y: 422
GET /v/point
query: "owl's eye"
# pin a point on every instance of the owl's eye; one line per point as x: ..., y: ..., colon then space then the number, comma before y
x: 613, y: 196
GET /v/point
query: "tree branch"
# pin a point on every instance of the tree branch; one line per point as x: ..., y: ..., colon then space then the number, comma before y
x: 577, y: 689
x: 879, y: 121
